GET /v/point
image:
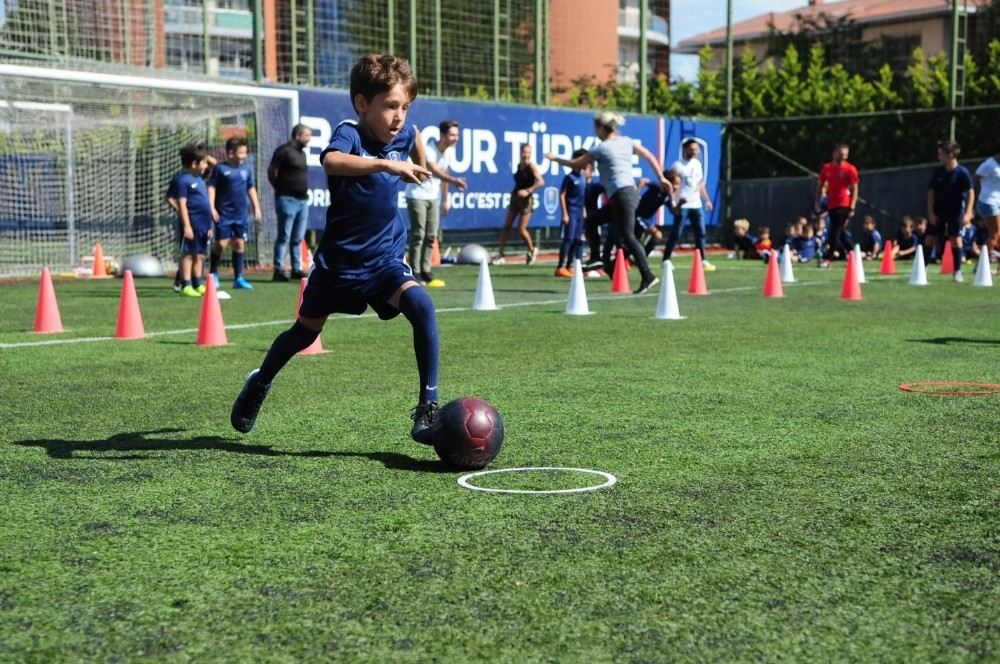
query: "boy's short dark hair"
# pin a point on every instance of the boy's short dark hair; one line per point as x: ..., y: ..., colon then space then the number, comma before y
x: 446, y: 126
x: 236, y: 142
x: 377, y: 73
x: 192, y: 153
x: 579, y: 152
x: 950, y: 147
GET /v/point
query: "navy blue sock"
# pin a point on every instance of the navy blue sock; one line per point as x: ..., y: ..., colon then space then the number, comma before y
x: 418, y: 308
x: 564, y: 258
x: 284, y: 348
x: 185, y: 283
x: 576, y: 251
x: 195, y: 281
x: 956, y: 253
x: 213, y: 260
x: 237, y: 265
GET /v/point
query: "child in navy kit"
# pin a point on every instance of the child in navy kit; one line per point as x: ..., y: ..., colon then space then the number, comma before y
x: 359, y: 262
x: 230, y: 189
x: 571, y: 196
x: 195, y: 214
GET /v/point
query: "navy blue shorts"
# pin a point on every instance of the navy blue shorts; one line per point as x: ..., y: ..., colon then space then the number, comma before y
x: 329, y: 292
x: 228, y: 229
x: 574, y: 229
x: 196, y: 246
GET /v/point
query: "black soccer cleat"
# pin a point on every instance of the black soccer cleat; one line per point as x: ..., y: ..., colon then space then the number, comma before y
x: 646, y: 284
x: 424, y: 415
x: 248, y: 403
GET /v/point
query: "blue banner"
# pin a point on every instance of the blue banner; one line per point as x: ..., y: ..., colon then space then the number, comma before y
x: 488, y: 148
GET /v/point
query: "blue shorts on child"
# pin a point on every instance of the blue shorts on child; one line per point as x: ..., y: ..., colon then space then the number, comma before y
x: 574, y: 229
x: 196, y: 246
x: 228, y: 229
x: 329, y: 292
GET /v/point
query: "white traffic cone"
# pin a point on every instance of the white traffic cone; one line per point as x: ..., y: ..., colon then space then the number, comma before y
x: 983, y: 275
x: 787, y: 275
x: 918, y: 277
x: 484, y: 289
x: 860, y: 265
x: 576, y: 305
x: 666, y: 306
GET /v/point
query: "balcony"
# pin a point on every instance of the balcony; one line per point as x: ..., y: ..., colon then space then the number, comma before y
x: 657, y: 28
x: 182, y: 19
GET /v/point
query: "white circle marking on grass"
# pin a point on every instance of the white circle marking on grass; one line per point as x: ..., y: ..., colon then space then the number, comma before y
x: 609, y: 480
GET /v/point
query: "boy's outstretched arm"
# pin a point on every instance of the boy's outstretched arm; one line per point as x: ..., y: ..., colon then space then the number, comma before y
x: 350, y: 165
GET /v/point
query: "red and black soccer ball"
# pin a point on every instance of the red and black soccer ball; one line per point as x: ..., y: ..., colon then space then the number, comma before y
x: 468, y: 433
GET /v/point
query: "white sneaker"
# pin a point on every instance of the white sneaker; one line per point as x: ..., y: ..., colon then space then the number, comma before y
x: 499, y: 260
x: 708, y: 267
x: 958, y: 277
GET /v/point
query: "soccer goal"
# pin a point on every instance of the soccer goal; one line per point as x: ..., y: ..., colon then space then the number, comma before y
x: 86, y: 157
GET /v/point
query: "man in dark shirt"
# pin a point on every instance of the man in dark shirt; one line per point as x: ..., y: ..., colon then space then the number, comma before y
x: 950, y: 199
x: 289, y: 175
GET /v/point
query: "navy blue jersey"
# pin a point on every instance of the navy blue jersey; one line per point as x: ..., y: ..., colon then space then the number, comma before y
x: 592, y: 196
x: 805, y: 247
x: 869, y: 240
x: 232, y: 184
x: 173, y: 187
x: 950, y: 190
x: 903, y: 242
x: 574, y: 185
x: 650, y: 201
x: 363, y: 225
x: 192, y: 188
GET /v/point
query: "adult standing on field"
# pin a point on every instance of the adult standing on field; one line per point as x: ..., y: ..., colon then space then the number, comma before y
x: 988, y: 204
x: 838, y: 181
x: 288, y: 173
x: 691, y: 195
x: 614, y: 159
x: 950, y: 201
x: 423, y: 200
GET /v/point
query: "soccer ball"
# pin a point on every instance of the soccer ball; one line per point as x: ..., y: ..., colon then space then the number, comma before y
x: 468, y: 433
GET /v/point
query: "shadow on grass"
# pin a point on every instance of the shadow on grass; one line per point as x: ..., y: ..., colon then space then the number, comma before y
x: 945, y: 341
x: 152, y: 441
x: 395, y: 461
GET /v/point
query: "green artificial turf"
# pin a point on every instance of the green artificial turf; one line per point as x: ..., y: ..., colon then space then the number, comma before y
x: 778, y: 497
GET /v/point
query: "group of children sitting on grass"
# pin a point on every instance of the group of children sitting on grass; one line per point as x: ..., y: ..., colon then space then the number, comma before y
x: 809, y: 241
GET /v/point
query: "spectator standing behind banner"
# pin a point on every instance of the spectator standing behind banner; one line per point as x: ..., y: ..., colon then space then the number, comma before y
x: 288, y: 173
x: 950, y: 199
x: 838, y: 182
x: 423, y: 201
x: 988, y: 205
x: 692, y: 194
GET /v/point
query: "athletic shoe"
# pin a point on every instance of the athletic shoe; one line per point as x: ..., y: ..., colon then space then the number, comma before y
x: 243, y: 416
x: 279, y: 275
x: 434, y: 282
x: 708, y: 267
x: 423, y: 415
x: 215, y: 278
x: 958, y: 277
x: 825, y: 263
x: 190, y: 291
x: 177, y: 287
x: 299, y: 274
x: 499, y: 260
x: 565, y: 273
x: 646, y: 284
x: 242, y: 284
x: 202, y: 289
x: 531, y: 256
x: 593, y: 264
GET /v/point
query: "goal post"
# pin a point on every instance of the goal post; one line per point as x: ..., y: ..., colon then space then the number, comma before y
x: 86, y: 157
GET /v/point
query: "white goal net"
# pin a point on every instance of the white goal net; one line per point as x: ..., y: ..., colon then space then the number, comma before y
x: 86, y: 158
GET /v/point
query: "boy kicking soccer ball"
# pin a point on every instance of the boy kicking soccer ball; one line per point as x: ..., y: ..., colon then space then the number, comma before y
x: 359, y: 262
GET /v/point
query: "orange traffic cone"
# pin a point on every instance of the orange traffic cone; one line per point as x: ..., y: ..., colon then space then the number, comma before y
x: 316, y: 346
x: 211, y: 329
x: 696, y: 284
x: 888, y: 262
x: 305, y: 256
x: 129, y: 316
x: 99, y: 269
x: 436, y: 254
x: 947, y: 259
x: 47, y: 314
x: 619, y: 278
x: 851, y: 290
x: 772, y: 284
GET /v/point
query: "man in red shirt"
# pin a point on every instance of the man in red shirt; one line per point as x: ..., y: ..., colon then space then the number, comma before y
x: 838, y: 182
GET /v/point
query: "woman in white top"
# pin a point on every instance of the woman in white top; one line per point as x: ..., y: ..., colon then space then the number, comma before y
x: 614, y: 159
x: 988, y: 202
